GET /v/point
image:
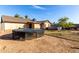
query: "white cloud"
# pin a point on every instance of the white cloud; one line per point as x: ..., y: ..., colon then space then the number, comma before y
x: 38, y: 7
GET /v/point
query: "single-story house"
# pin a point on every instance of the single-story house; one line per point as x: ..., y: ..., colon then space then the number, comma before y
x: 75, y: 27
x: 10, y: 23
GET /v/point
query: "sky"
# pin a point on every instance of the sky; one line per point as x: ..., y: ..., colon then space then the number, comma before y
x: 43, y: 12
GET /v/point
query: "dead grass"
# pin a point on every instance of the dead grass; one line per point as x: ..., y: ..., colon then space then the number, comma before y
x: 69, y: 35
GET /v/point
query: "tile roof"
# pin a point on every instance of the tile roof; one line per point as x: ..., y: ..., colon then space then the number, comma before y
x: 14, y: 19
x: 10, y: 19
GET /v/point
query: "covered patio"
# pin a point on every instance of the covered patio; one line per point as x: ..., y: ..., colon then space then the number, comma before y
x: 27, y: 33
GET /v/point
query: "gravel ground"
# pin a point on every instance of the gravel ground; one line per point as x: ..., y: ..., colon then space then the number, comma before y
x: 44, y: 44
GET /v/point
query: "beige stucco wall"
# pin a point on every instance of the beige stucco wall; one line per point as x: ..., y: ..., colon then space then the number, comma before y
x: 47, y: 24
x: 13, y: 26
x: 37, y: 26
x: 10, y: 26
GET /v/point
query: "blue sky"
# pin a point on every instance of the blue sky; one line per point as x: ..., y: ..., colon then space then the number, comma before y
x: 43, y: 12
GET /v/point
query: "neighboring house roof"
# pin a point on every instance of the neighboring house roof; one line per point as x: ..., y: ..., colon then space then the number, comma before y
x: 44, y: 21
x: 76, y: 25
x: 11, y: 19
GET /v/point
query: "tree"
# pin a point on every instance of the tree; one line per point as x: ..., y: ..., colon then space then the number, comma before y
x: 63, y: 22
x: 26, y: 16
x: 70, y: 24
x: 33, y: 19
x: 17, y: 15
x: 54, y: 24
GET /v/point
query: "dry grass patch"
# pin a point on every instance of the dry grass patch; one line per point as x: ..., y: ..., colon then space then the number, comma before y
x: 69, y: 35
x: 72, y: 38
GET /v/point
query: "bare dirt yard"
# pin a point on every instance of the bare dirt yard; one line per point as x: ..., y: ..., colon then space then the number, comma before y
x: 44, y: 44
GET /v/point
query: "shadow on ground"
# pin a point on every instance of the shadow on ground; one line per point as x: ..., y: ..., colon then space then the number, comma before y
x: 6, y: 36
